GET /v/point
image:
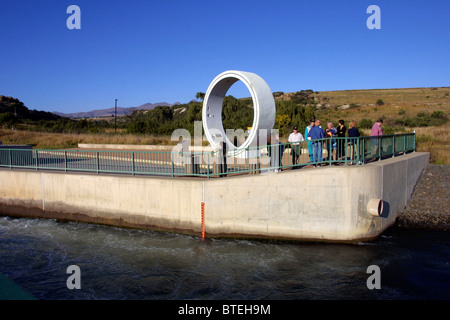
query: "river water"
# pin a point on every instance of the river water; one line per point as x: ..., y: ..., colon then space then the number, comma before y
x: 117, y: 263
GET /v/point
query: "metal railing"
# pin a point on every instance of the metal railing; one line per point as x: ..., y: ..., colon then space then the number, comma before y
x: 269, y: 158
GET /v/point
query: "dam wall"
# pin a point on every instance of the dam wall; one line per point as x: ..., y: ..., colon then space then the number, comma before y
x: 332, y: 203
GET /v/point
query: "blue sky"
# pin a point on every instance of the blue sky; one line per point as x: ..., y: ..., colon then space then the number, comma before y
x: 167, y: 51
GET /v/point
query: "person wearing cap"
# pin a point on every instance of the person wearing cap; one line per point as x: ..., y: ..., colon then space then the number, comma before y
x: 295, y: 139
x: 310, y: 152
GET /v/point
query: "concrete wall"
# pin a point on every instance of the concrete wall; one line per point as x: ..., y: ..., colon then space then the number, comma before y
x: 168, y: 204
x: 319, y: 203
x: 328, y: 204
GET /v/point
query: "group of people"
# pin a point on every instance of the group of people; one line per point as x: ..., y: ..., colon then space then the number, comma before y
x: 318, y: 138
x: 336, y: 148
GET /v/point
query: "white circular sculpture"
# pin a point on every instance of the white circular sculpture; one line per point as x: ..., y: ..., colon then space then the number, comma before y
x: 263, y: 109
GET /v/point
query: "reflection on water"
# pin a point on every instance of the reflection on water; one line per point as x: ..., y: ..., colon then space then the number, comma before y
x: 120, y: 263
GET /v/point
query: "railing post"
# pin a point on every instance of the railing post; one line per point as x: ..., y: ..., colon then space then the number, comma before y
x: 98, y: 164
x: 10, y: 158
x: 330, y: 153
x: 37, y: 160
x: 358, y: 150
x: 65, y: 161
x: 380, y: 141
x: 345, y: 149
x: 393, y: 146
x: 208, y: 164
x: 173, y: 169
x: 363, y: 150
x: 172, y: 164
x: 404, y: 144
x: 132, y: 163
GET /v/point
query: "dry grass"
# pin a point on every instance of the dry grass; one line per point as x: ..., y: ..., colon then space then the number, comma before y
x: 436, y: 141
x: 398, y: 103
x: 407, y: 96
x: 44, y: 140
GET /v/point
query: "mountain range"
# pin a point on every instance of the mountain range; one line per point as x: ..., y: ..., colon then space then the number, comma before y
x: 111, y: 111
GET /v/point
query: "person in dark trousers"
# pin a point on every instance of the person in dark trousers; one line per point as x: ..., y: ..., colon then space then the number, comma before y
x: 341, y: 130
x: 317, y: 135
x: 295, y: 139
x: 352, y: 133
x: 223, y: 168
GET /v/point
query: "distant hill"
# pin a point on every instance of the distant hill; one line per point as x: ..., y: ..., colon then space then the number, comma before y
x: 111, y: 111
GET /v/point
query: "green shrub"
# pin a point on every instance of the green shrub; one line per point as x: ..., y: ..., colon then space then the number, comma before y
x: 424, y: 119
x: 439, y: 115
x: 366, y: 124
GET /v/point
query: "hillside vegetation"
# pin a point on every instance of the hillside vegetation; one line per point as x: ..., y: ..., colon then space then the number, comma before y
x: 424, y: 110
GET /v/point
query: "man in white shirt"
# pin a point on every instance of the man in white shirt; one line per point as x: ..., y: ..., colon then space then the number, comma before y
x: 296, y: 149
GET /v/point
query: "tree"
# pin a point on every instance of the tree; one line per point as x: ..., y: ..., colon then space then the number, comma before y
x: 13, y: 105
x: 236, y: 114
x: 136, y: 127
x: 7, y: 119
x: 200, y: 95
x: 298, y: 115
x: 194, y: 112
x: 282, y: 124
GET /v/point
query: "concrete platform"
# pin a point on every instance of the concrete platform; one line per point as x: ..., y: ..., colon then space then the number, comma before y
x: 335, y: 203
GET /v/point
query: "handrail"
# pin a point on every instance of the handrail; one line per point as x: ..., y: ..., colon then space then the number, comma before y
x: 262, y: 159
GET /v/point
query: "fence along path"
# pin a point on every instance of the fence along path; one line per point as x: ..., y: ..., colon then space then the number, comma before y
x: 275, y: 157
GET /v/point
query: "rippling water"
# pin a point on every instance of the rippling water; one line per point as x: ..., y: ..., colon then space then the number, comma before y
x: 118, y: 263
